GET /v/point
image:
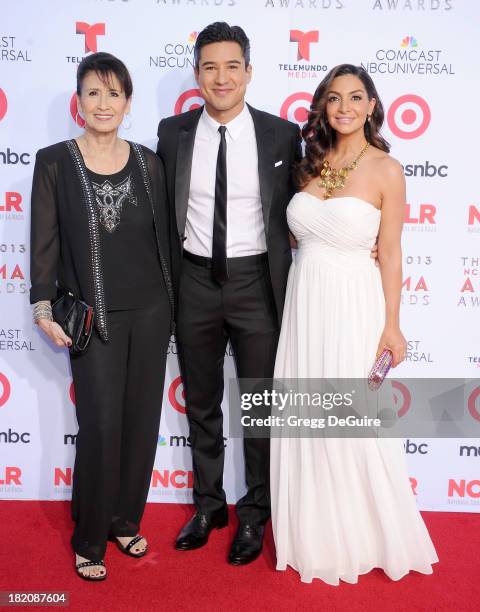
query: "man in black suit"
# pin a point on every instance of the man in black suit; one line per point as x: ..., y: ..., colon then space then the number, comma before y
x: 228, y: 169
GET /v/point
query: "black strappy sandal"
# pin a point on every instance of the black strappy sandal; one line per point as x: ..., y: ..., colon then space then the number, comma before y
x: 128, y: 548
x: 79, y: 566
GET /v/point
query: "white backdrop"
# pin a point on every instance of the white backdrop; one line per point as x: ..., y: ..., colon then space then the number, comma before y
x: 422, y: 58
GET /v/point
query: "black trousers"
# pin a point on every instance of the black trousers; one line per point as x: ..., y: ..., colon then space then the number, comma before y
x: 242, y: 311
x: 118, y: 394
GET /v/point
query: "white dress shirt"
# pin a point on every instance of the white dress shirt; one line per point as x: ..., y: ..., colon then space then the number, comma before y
x: 245, y: 228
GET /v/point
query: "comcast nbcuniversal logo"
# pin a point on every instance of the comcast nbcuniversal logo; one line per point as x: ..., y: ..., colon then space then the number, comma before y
x: 410, y: 57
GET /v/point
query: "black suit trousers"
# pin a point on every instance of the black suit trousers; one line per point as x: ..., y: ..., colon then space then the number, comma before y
x: 243, y: 311
x: 118, y: 393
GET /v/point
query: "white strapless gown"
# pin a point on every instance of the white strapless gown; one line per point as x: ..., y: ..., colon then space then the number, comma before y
x: 340, y: 507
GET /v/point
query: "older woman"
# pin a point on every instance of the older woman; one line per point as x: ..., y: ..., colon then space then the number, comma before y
x: 100, y: 229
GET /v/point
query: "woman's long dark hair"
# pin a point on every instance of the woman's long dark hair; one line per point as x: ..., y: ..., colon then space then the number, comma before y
x: 320, y: 137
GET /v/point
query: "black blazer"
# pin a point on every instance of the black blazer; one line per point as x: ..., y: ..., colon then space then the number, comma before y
x: 277, y: 140
x: 65, y: 245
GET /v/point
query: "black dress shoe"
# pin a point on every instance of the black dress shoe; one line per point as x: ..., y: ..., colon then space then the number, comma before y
x: 247, y: 544
x: 196, y: 531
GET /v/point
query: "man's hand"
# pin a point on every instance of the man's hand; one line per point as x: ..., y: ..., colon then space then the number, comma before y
x: 293, y: 242
x: 374, y: 253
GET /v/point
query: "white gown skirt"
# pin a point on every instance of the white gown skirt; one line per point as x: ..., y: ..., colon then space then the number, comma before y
x: 340, y: 506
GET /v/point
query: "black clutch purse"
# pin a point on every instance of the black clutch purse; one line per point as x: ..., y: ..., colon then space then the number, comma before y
x: 75, y: 318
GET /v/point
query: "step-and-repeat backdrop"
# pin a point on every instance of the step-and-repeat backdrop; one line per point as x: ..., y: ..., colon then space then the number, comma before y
x: 422, y: 57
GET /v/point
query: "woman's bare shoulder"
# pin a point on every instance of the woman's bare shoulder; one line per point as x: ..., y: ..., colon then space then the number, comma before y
x: 389, y: 167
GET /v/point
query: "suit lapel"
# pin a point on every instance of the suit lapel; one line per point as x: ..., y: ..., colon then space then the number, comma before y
x: 183, y: 171
x: 265, y: 136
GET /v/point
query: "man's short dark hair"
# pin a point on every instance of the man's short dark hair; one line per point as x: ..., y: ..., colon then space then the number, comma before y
x: 222, y: 32
x: 104, y: 65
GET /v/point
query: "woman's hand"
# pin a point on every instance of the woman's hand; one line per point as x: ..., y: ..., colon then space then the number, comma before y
x: 393, y: 340
x: 54, y: 332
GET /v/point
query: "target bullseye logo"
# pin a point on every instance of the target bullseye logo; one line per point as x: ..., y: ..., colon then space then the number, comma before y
x: 74, y: 112
x: 71, y: 394
x: 472, y: 404
x: 176, y: 395
x: 5, y: 389
x: 187, y: 101
x: 296, y: 107
x: 402, y: 397
x: 3, y: 104
x: 409, y: 116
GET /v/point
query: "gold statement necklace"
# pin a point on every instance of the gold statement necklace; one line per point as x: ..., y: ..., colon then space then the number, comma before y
x: 331, y: 179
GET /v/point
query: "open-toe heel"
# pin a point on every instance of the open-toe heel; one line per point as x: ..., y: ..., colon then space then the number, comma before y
x: 79, y: 566
x: 128, y: 548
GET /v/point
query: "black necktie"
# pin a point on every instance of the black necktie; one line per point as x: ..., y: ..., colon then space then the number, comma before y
x: 219, y: 244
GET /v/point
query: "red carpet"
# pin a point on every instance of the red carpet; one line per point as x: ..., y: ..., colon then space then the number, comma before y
x: 35, y: 555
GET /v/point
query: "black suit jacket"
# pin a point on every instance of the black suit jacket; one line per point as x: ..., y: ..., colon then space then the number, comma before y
x: 277, y: 141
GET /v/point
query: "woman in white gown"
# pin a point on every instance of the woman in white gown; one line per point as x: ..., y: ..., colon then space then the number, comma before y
x: 343, y: 506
